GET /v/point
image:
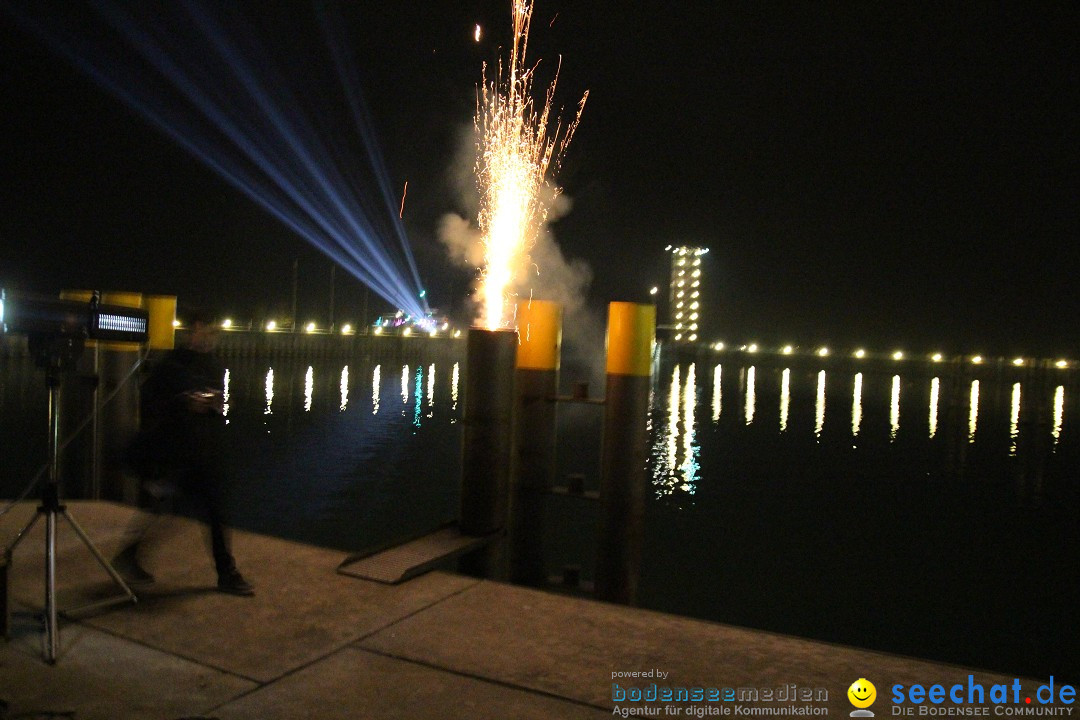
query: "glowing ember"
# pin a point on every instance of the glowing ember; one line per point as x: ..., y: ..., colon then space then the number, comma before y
x: 515, y: 152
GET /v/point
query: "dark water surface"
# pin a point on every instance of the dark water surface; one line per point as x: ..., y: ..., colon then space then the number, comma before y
x: 895, y: 508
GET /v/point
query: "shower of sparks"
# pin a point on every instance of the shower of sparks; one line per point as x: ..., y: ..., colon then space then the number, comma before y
x: 517, y: 149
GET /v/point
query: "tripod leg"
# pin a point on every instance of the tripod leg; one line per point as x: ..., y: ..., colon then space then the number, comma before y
x: 130, y: 595
x: 51, y: 629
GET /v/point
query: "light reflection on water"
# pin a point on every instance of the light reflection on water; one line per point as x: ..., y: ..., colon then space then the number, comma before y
x: 717, y: 394
x: 418, y: 395
x: 1059, y: 412
x: 785, y: 398
x: 454, y: 378
x: 376, y: 382
x: 856, y: 405
x: 819, y: 407
x: 269, y: 392
x: 935, y: 391
x: 1014, y: 418
x: 690, y: 447
x: 677, y: 464
x: 675, y: 447
x: 894, y: 409
x: 343, y: 386
x: 225, y: 396
x: 309, y: 388
x: 973, y: 411
x: 751, y: 395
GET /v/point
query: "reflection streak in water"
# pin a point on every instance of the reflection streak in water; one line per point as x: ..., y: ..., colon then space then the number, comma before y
x: 690, y: 451
x: 309, y: 387
x: 819, y: 409
x: 1059, y: 412
x: 894, y: 409
x: 225, y: 396
x: 455, y: 375
x: 269, y: 392
x: 751, y: 395
x: 856, y: 405
x: 973, y: 411
x: 376, y: 381
x: 344, y: 387
x: 418, y: 394
x: 935, y: 393
x: 717, y: 395
x: 431, y: 387
x: 785, y: 398
x: 1014, y: 419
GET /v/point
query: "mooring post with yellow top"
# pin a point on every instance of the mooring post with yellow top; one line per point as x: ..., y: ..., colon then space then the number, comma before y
x: 487, y: 433
x: 630, y: 338
x: 537, y: 383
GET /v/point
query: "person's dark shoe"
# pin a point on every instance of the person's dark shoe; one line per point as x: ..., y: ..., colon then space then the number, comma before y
x: 129, y: 569
x: 233, y: 583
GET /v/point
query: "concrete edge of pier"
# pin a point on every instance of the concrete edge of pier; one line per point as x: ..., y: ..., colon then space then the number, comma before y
x: 314, y: 643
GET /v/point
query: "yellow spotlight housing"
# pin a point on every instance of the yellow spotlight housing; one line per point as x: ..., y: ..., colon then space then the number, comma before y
x: 823, y: 352
x: 977, y: 360
x: 937, y: 357
x: 752, y: 347
x: 898, y: 355
x: 1061, y: 364
x: 788, y: 350
x: 860, y: 353
x: 1018, y: 362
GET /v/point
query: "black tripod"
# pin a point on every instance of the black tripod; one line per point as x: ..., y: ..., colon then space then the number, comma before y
x: 57, y: 353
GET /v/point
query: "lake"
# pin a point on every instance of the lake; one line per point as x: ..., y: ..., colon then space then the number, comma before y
x: 905, y: 507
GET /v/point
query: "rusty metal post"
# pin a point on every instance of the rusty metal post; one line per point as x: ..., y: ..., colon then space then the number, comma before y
x: 540, y: 334
x: 630, y: 338
x: 487, y: 418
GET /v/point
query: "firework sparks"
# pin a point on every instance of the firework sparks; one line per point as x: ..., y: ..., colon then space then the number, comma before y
x: 519, y: 148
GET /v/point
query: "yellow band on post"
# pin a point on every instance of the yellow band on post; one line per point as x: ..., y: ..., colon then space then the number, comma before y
x: 539, y: 334
x: 162, y: 309
x: 630, y: 336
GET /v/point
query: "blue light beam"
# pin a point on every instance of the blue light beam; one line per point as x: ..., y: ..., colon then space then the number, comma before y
x: 217, y: 92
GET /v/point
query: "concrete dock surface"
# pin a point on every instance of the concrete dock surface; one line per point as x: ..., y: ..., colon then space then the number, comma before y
x: 313, y: 643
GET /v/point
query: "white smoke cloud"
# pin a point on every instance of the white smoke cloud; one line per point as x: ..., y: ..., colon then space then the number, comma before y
x: 550, y: 275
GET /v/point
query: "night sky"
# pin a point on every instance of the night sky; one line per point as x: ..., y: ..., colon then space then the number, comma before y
x: 886, y: 174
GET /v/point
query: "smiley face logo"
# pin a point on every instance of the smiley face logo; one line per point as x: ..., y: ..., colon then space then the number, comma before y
x: 862, y: 693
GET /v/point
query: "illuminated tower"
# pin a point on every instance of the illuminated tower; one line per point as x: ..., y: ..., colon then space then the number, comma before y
x: 686, y: 305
